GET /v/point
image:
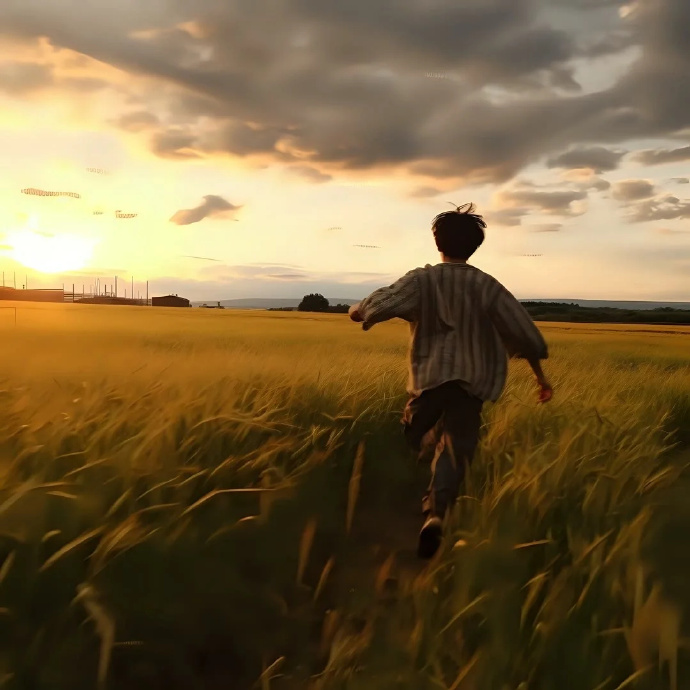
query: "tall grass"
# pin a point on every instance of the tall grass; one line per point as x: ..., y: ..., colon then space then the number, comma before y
x: 178, y: 499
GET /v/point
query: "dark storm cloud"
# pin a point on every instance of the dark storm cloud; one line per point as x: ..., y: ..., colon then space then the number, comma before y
x: 609, y: 44
x: 212, y: 207
x: 173, y: 144
x: 25, y: 78
x: 597, y: 158
x: 632, y: 190
x: 591, y: 4
x: 664, y: 207
x: 295, y: 81
x: 663, y: 156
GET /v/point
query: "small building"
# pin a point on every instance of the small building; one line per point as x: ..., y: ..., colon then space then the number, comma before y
x: 170, y: 301
x: 14, y: 295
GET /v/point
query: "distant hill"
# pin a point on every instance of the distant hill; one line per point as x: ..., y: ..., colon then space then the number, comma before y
x: 269, y: 303
x: 260, y: 303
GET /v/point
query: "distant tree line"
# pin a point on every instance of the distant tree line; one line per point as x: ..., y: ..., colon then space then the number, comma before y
x: 561, y: 311
x: 316, y: 303
x: 540, y: 311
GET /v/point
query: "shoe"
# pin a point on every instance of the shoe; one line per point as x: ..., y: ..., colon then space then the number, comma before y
x: 430, y: 538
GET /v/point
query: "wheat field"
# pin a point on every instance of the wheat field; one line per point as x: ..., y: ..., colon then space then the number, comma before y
x: 204, y: 499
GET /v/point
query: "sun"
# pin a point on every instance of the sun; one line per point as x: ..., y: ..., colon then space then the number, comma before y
x: 48, y: 253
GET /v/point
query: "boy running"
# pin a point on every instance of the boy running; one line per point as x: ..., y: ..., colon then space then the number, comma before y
x: 464, y: 325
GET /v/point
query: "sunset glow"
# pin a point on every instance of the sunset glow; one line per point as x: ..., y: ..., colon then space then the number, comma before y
x: 50, y: 254
x: 144, y: 135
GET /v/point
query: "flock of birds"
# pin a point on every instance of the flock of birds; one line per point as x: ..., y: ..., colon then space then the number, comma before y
x: 32, y: 191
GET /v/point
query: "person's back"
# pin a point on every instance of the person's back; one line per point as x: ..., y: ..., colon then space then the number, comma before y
x: 464, y: 324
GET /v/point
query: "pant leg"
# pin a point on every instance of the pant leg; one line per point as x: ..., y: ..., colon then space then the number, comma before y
x: 421, y: 415
x: 461, y: 419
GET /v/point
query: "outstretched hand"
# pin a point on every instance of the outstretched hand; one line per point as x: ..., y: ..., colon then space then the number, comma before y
x: 545, y: 391
x: 354, y: 313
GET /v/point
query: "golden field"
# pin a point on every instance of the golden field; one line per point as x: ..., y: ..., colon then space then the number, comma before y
x: 212, y: 499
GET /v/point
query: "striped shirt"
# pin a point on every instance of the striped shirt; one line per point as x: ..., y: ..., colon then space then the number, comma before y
x: 464, y: 325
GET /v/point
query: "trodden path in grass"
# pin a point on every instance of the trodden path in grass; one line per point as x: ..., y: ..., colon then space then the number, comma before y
x: 369, y: 619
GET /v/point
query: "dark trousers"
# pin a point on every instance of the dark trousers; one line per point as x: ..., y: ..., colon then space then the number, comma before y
x: 455, y: 415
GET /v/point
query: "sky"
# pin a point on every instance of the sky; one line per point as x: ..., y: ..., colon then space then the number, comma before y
x: 235, y: 148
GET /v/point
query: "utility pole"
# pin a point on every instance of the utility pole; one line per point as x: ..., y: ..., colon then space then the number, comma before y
x: 132, y: 293
x: 147, y: 293
x: 115, y: 286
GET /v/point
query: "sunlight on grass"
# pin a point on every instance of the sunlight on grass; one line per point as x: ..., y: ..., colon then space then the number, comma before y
x: 187, y: 481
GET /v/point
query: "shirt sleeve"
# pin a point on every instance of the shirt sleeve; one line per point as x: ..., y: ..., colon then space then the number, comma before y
x: 517, y: 330
x: 397, y: 301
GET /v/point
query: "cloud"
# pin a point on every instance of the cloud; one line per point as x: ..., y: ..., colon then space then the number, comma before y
x: 597, y: 158
x: 610, y: 43
x: 546, y: 227
x: 632, y: 190
x: 551, y: 202
x: 286, y: 276
x: 138, y: 121
x: 424, y: 192
x: 212, y: 207
x: 664, y: 207
x: 23, y: 78
x: 586, y: 179
x: 173, y: 144
x: 509, y: 217
x: 310, y: 174
x: 258, y: 272
x: 29, y: 78
x: 680, y: 180
x: 200, y: 258
x: 669, y: 231
x: 285, y: 83
x: 663, y: 156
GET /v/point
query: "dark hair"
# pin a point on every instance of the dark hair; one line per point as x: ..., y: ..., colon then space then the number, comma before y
x: 459, y: 233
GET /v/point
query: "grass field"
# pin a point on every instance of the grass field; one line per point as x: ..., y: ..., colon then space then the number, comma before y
x: 204, y: 499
